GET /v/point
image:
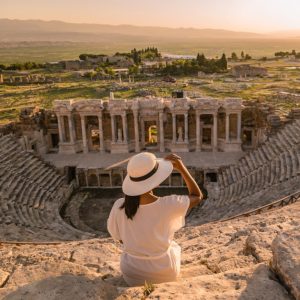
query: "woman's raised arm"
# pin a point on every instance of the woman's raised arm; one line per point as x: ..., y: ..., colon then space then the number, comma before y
x: 195, y: 193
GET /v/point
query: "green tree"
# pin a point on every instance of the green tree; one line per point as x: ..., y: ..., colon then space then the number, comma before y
x: 234, y: 56
x: 242, y: 55
x: 222, y: 62
x: 201, y: 59
x: 133, y: 70
x: 110, y: 71
x: 136, y: 56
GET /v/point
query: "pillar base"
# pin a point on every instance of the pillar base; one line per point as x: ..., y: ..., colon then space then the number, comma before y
x: 179, y: 147
x: 70, y: 148
x: 119, y: 148
x: 230, y: 146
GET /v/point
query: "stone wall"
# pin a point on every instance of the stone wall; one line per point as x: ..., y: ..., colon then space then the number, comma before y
x: 170, y: 124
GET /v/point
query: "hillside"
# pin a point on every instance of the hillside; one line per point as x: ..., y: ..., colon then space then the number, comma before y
x: 43, y: 41
x: 36, y: 30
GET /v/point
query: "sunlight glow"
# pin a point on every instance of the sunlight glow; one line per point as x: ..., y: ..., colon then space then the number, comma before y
x: 239, y: 15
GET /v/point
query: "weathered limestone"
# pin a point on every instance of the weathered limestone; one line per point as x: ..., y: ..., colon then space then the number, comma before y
x: 215, y: 135
x: 140, y: 124
x: 286, y: 259
x: 3, y: 277
x: 35, y: 193
x: 71, y: 129
x: 198, y: 131
x: 269, y: 173
x: 161, y: 132
x: 101, y: 136
x: 179, y: 109
x: 84, y: 109
x: 84, y: 140
x: 60, y: 129
x: 214, y: 264
x: 136, y: 131
x: 248, y: 71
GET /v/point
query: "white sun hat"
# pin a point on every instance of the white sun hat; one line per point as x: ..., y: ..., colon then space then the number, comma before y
x: 144, y: 173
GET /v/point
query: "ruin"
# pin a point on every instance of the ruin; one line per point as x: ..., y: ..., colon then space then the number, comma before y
x: 53, y: 163
x: 121, y: 126
x: 248, y: 71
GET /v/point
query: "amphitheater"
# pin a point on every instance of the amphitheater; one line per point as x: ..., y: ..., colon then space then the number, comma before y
x: 60, y: 174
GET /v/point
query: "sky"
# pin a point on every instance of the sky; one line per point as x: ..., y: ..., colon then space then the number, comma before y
x: 238, y: 15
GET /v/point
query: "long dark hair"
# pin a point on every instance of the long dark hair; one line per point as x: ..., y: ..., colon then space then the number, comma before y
x: 131, y: 205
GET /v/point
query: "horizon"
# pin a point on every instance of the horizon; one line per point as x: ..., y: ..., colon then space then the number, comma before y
x: 241, y: 16
x: 297, y: 30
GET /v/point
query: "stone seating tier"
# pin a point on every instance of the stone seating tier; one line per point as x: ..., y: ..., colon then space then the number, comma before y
x: 31, y: 194
x: 260, y: 177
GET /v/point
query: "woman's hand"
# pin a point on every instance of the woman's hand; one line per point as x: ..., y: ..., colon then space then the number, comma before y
x: 175, y: 160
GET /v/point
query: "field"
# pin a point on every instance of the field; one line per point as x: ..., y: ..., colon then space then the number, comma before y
x: 54, y: 51
x: 284, y: 75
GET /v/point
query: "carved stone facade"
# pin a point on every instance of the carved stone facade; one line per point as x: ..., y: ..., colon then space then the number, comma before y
x: 153, y: 124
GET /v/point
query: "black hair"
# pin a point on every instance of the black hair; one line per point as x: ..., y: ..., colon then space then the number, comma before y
x: 131, y: 205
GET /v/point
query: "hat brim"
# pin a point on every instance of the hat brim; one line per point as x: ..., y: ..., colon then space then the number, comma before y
x: 136, y: 188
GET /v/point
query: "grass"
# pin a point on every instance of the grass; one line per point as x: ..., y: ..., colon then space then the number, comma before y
x: 15, y: 97
x: 148, y: 288
x: 54, y: 51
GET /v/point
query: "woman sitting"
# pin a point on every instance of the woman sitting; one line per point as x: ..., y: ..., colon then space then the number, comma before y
x: 145, y: 224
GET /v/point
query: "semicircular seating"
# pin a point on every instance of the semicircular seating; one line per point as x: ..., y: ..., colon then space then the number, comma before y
x: 264, y: 175
x: 31, y: 195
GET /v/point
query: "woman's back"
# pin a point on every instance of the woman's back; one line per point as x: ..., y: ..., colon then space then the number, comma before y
x: 148, y: 236
x: 151, y: 230
x: 146, y: 224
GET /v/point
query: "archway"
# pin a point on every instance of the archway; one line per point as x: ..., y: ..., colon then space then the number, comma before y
x: 152, y: 135
x: 93, y: 180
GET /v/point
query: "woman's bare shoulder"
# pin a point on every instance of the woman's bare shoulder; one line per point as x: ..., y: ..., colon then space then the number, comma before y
x: 118, y: 203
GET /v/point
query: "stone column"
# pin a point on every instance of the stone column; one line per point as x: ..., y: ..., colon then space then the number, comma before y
x: 161, y: 132
x: 143, y: 133
x: 239, y: 126
x: 98, y: 177
x: 110, y: 178
x: 198, y: 132
x: 186, y: 128
x: 60, y: 130
x: 77, y: 180
x: 174, y: 127
x: 84, y: 140
x: 125, y: 129
x: 227, y: 127
x: 63, y: 129
x: 86, y: 177
x: 71, y: 129
x: 101, y: 135
x: 215, y: 133
x: 136, y: 131
x: 113, y: 129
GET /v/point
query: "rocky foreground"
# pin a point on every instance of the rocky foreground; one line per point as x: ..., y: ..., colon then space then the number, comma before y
x: 257, y: 257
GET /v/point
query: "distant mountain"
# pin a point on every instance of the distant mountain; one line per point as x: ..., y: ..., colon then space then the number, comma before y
x: 286, y: 34
x: 36, y: 30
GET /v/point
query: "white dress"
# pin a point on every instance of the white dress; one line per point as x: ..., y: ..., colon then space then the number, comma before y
x: 149, y: 252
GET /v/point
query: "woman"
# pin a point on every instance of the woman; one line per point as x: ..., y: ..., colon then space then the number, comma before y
x: 145, y: 224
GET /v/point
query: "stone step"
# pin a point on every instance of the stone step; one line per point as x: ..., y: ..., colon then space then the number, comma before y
x: 292, y: 135
x: 286, y: 138
x: 262, y: 154
x: 274, y: 147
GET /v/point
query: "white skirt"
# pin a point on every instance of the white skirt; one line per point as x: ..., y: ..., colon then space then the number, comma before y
x: 166, y: 267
